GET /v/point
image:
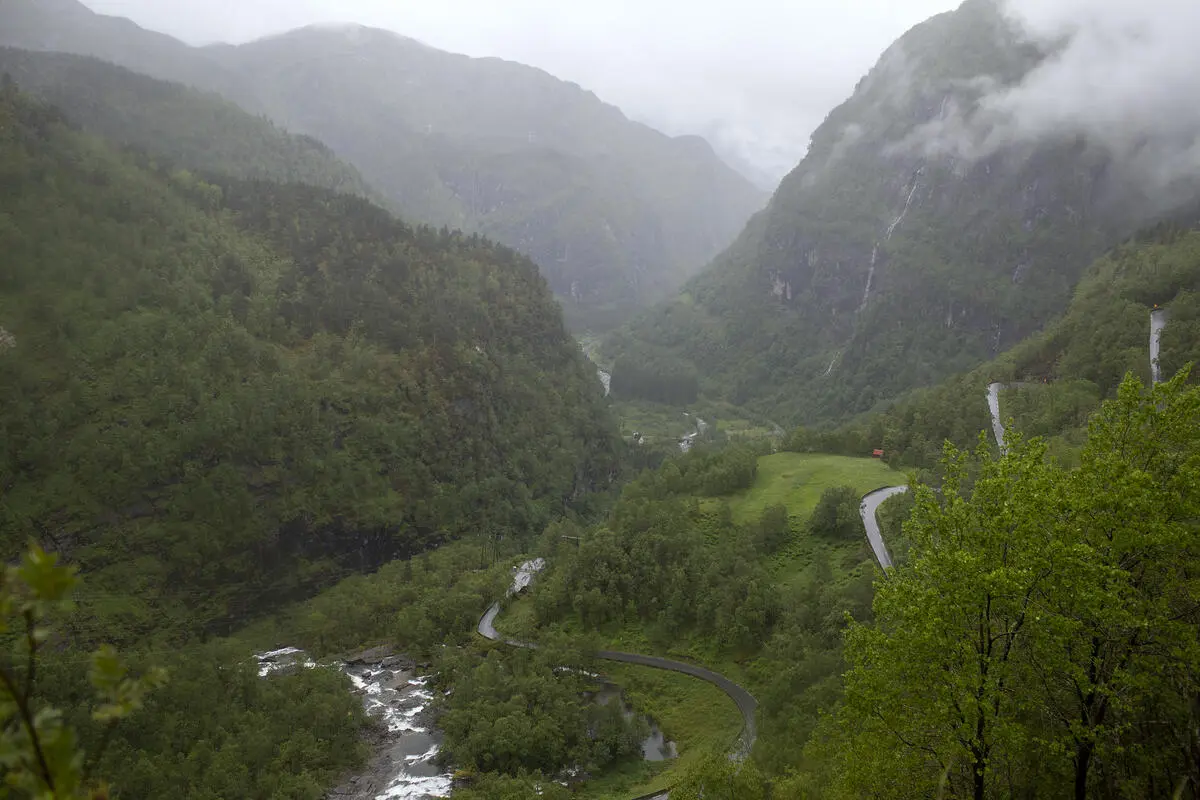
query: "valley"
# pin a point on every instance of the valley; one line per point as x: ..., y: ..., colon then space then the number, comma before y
x: 383, y: 423
x: 617, y: 215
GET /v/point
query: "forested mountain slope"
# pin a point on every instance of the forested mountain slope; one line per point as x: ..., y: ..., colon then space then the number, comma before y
x: 885, y: 261
x: 217, y: 394
x: 192, y: 129
x: 1059, y: 376
x: 615, y: 214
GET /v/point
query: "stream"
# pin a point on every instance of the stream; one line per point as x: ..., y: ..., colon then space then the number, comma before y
x: 655, y: 747
x: 394, y: 694
x: 689, y: 441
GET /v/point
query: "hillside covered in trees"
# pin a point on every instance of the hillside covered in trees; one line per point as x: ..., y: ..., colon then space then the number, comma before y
x: 244, y: 408
x: 186, y: 127
x: 1055, y: 379
x: 887, y: 260
x: 216, y: 394
x: 615, y: 214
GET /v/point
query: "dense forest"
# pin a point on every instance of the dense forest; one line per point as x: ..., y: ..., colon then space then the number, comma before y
x: 219, y: 394
x: 246, y: 411
x: 1060, y: 607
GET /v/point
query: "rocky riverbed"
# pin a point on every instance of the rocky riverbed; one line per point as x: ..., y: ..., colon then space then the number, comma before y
x: 395, y: 693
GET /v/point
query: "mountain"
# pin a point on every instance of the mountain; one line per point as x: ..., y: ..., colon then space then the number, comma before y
x: 219, y: 394
x: 885, y: 263
x: 192, y: 129
x: 1056, y: 378
x: 616, y: 214
x: 69, y: 26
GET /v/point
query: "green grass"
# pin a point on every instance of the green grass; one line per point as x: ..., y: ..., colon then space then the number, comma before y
x: 797, y: 480
x: 663, y: 423
x: 655, y: 421
x: 739, y: 429
x: 701, y: 720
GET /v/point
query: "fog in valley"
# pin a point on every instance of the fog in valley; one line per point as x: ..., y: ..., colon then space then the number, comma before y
x: 755, y: 78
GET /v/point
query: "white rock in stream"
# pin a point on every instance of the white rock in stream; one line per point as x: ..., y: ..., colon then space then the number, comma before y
x: 404, y: 765
x: 686, y: 443
x: 282, y: 658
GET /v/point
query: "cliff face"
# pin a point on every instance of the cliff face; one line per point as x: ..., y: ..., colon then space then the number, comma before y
x: 893, y: 256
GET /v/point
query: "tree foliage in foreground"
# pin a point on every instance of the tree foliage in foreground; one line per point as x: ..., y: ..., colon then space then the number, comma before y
x: 40, y: 755
x: 1042, y: 638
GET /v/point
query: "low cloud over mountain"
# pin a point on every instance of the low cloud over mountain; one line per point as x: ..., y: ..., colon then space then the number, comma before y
x: 1120, y: 73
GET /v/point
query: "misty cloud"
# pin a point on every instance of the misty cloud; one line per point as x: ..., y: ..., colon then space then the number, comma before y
x: 1124, y: 74
x: 755, y: 77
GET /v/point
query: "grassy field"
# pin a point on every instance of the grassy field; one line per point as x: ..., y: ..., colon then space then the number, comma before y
x: 655, y: 421
x: 658, y: 422
x: 796, y: 480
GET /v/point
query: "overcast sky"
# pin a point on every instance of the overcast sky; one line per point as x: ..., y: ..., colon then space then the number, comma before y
x: 755, y: 76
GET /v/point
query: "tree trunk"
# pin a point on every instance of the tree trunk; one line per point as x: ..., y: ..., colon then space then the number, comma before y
x: 1083, y: 762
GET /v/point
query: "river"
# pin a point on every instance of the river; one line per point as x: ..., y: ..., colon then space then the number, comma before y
x: 397, y: 695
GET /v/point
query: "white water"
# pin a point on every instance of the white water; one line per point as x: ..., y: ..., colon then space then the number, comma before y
x: 887, y: 238
x: 398, y: 698
x: 605, y: 380
x: 689, y: 441
x: 832, y: 361
x: 870, y: 279
x: 1158, y: 321
x: 907, y: 204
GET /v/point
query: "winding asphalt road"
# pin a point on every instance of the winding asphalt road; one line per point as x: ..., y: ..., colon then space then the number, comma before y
x: 993, y: 401
x: 870, y: 504
x: 745, y: 701
x: 1158, y: 321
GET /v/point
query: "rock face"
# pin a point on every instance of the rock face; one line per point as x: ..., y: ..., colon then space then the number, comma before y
x: 887, y: 260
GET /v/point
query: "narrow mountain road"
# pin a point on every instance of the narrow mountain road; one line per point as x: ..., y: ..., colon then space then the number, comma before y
x: 744, y: 701
x: 1159, y: 317
x: 1158, y: 321
x: 993, y: 401
x: 870, y: 504
x: 867, y: 509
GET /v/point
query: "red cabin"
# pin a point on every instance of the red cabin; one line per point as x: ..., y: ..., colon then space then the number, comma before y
x: 877, y: 453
